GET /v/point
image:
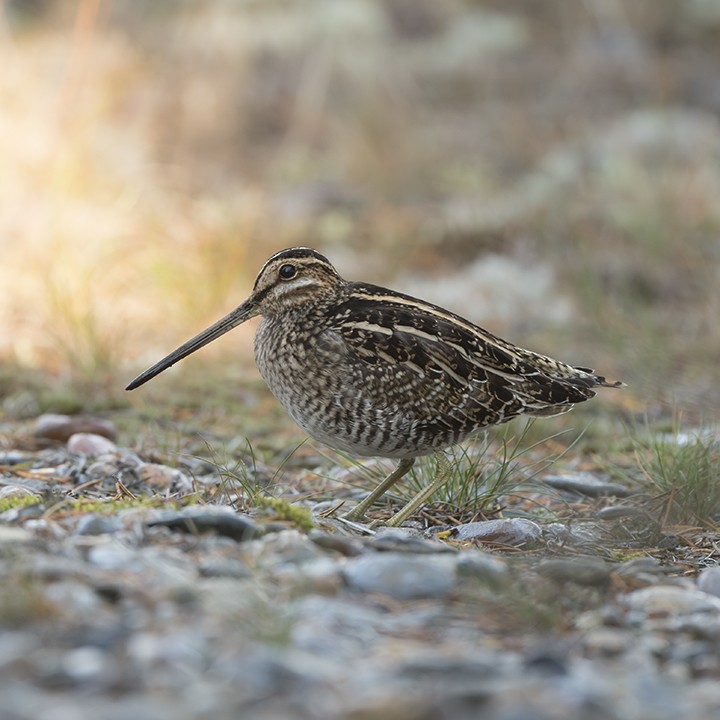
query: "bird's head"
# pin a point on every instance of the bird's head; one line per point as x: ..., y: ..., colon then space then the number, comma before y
x: 288, y: 281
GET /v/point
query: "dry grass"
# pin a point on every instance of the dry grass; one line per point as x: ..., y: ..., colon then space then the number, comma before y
x: 154, y: 155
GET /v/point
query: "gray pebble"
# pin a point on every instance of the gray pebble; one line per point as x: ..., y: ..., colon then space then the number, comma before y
x: 406, y: 540
x: 198, y: 519
x: 61, y: 427
x: 161, y: 477
x: 579, y: 570
x: 17, y: 491
x: 95, y: 524
x: 345, y: 545
x: 84, y: 665
x: 15, y: 457
x: 483, y: 567
x: 112, y: 555
x: 642, y: 571
x: 402, y: 575
x: 618, y: 512
x: 709, y: 581
x: 90, y: 444
x: 586, y: 484
x: 671, y: 600
x: 226, y: 567
x: 608, y: 641
x: 581, y: 534
x: 504, y: 531
x: 72, y: 598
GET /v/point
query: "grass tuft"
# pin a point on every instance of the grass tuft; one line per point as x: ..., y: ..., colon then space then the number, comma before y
x: 684, y: 469
x: 242, y: 484
x: 483, y: 473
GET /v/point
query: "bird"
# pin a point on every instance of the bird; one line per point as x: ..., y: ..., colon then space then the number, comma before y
x: 377, y: 373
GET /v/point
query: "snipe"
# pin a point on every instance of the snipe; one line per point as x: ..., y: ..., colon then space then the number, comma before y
x: 373, y: 372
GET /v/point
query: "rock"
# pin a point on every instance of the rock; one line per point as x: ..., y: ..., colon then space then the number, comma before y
x: 84, y: 665
x: 95, y: 524
x: 584, y: 483
x: 608, y: 641
x: 483, y: 663
x: 670, y: 600
x: 405, y: 540
x: 640, y: 572
x: 90, y: 444
x: 547, y: 662
x: 12, y: 536
x: 225, y: 568
x: 709, y: 581
x: 581, y: 534
x: 320, y: 576
x: 62, y: 427
x: 581, y: 571
x: 483, y: 567
x: 347, y: 546
x: 202, y: 519
x: 402, y: 575
x: 15, y: 457
x: 17, y: 491
x: 504, y: 531
x: 162, y: 477
x: 72, y: 598
x: 112, y: 555
x: 618, y: 512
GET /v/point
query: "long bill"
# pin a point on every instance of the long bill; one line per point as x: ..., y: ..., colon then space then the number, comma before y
x: 238, y: 316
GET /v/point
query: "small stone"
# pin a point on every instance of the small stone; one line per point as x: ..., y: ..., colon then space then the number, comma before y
x: 17, y: 491
x: 406, y: 540
x: 584, y: 483
x: 62, y: 427
x: 319, y: 576
x: 14, y: 535
x: 401, y: 575
x: 504, y: 531
x: 198, y: 520
x: 162, y: 477
x: 671, y: 600
x: 547, y: 662
x: 73, y: 598
x: 483, y: 567
x: 581, y: 571
x: 84, y: 664
x: 618, y: 512
x: 709, y: 581
x: 608, y: 641
x: 640, y: 572
x: 582, y: 534
x: 284, y: 547
x: 14, y: 457
x: 95, y: 524
x: 90, y: 444
x: 112, y: 555
x: 347, y: 546
x: 225, y: 568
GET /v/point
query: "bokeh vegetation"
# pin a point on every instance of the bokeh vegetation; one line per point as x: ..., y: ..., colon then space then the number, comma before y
x: 550, y: 170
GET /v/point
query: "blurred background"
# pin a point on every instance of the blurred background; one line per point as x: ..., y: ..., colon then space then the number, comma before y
x: 550, y: 170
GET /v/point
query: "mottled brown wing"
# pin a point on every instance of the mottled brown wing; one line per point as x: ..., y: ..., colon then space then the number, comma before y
x: 466, y: 360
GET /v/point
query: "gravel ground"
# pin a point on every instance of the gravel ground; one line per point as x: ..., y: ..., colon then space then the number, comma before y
x: 153, y: 610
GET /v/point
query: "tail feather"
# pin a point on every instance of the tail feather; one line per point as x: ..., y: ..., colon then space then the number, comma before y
x: 599, y: 379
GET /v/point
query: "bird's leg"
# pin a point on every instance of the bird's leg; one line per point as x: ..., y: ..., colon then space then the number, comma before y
x: 358, y: 512
x: 442, y: 473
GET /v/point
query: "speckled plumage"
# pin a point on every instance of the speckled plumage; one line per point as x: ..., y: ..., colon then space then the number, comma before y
x: 374, y: 372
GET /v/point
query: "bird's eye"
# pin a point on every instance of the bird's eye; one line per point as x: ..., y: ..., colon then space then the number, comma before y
x: 287, y: 272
